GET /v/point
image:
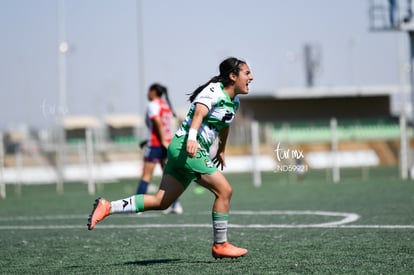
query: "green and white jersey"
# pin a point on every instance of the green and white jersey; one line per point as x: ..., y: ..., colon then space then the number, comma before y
x: 222, y: 110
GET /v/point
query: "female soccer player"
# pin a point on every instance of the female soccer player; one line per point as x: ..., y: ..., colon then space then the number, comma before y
x: 158, y: 120
x: 213, y: 107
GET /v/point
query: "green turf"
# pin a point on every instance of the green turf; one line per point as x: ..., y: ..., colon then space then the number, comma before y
x: 377, y: 196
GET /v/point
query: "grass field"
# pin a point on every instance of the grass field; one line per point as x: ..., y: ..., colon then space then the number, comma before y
x: 363, y: 225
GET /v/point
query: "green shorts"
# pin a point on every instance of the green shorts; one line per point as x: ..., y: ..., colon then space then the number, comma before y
x: 186, y: 169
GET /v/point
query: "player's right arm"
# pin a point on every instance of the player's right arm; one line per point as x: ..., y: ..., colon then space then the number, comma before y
x: 200, y: 112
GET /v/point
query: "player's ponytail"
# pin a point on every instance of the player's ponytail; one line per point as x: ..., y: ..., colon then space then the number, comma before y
x: 229, y: 65
x: 169, y: 102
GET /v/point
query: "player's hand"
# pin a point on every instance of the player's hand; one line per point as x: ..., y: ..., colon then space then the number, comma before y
x: 192, y: 146
x: 143, y: 144
x: 219, y: 161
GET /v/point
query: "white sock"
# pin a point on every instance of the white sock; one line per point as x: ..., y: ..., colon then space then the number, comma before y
x: 220, y: 221
x: 124, y: 206
x: 220, y: 231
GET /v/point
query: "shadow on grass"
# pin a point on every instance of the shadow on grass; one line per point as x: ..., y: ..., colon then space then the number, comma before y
x: 138, y: 263
x: 166, y: 261
x: 152, y: 262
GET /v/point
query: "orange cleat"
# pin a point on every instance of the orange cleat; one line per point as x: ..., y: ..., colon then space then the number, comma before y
x: 227, y: 250
x: 101, y: 209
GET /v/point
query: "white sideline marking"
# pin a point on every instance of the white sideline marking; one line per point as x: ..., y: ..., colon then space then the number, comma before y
x: 348, y: 217
x: 66, y: 217
x: 378, y: 226
x: 343, y: 223
x: 248, y: 226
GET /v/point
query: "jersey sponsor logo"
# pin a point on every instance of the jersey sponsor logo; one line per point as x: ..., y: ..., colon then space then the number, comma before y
x: 228, y: 117
x: 223, y: 114
x: 205, y: 97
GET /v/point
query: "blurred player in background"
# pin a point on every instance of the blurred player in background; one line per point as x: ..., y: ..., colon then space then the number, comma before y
x: 158, y: 120
x: 213, y: 107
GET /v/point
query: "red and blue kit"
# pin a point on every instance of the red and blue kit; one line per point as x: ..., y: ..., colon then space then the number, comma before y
x: 157, y: 108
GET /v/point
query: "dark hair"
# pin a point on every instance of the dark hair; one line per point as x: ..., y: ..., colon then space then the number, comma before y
x: 227, y: 66
x: 160, y: 91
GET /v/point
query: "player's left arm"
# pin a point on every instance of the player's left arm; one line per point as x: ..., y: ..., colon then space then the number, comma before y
x: 219, y: 159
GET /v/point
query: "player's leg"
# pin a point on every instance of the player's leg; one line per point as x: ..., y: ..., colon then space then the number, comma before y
x: 170, y: 189
x: 220, y: 187
x: 152, y: 155
x: 147, y: 172
x: 176, y: 207
x: 163, y: 163
x: 222, y: 190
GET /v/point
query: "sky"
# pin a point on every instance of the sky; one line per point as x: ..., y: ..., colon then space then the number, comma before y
x: 183, y: 42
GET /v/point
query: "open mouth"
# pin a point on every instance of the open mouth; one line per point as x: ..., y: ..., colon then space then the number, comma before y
x: 247, y: 84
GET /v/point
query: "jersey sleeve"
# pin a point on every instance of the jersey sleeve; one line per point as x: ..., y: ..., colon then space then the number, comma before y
x: 153, y: 109
x: 208, y: 96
